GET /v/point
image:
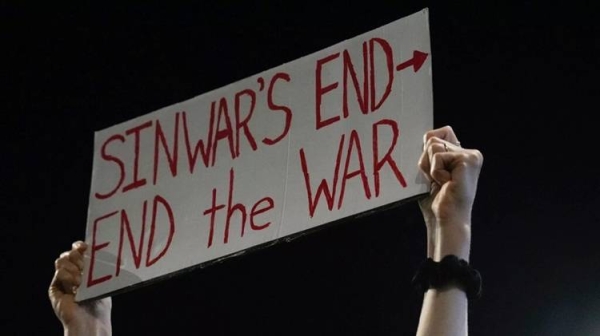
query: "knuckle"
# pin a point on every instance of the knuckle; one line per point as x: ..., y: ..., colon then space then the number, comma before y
x: 479, y: 155
x: 62, y: 275
x: 422, y: 162
x: 473, y: 158
x: 476, y: 157
x: 431, y: 140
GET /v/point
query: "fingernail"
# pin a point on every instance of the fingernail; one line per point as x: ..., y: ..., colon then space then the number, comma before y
x: 74, y: 290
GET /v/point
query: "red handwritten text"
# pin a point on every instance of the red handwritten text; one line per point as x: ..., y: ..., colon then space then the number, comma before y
x: 334, y: 191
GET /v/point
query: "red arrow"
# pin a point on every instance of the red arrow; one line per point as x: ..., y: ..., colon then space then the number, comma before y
x: 416, y: 61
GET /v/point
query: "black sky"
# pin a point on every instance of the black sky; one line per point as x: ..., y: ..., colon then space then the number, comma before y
x: 518, y: 82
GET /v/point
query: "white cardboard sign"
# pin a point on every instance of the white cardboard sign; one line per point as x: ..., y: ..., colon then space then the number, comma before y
x: 325, y: 137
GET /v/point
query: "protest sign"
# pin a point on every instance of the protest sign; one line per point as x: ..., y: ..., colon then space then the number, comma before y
x: 316, y: 140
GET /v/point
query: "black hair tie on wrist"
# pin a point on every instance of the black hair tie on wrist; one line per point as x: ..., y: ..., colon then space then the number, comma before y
x: 449, y: 271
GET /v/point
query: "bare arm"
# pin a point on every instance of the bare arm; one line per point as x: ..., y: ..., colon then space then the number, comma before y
x: 453, y: 173
x: 89, y: 318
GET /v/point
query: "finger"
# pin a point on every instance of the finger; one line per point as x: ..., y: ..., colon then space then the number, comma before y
x: 443, y: 145
x: 433, y: 146
x: 442, y: 165
x: 451, y: 147
x: 65, y: 263
x: 446, y: 164
x: 76, y: 253
x: 70, y: 280
x: 72, y: 258
x: 444, y: 133
x: 76, y: 257
x: 79, y: 245
x: 65, y: 282
x: 424, y: 165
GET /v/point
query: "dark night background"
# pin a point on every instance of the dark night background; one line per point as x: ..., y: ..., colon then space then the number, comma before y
x: 518, y: 82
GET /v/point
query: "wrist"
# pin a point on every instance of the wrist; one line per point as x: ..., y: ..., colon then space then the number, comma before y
x: 452, y: 239
x: 89, y: 328
x: 449, y: 274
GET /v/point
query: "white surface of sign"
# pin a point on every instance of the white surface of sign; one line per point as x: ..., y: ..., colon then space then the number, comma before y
x: 322, y: 138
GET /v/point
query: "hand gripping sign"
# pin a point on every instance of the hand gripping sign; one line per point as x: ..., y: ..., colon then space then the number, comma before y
x: 326, y: 137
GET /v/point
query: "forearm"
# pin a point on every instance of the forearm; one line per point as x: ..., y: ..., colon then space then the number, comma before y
x: 444, y: 311
x: 452, y: 239
x: 431, y: 234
